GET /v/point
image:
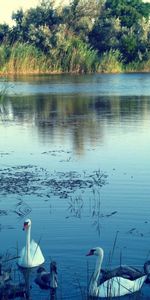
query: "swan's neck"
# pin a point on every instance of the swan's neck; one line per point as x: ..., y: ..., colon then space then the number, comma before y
x: 93, y: 284
x: 53, y: 280
x: 97, y: 268
x: 28, y: 234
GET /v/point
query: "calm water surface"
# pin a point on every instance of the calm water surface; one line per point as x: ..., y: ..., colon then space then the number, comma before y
x: 74, y: 156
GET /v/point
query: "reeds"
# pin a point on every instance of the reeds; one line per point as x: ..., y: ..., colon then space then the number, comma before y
x: 79, y: 58
x: 110, y: 62
x: 71, y: 56
x: 25, y: 58
x: 74, y: 56
x: 138, y: 66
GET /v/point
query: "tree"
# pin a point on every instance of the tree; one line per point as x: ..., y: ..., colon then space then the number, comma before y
x: 4, y: 32
x: 120, y: 27
x: 16, y: 33
x: 36, y: 26
x: 129, y: 11
x: 79, y: 17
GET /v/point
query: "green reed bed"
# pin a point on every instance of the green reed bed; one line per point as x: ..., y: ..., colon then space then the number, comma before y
x: 74, y: 56
x: 25, y: 58
x: 71, y: 56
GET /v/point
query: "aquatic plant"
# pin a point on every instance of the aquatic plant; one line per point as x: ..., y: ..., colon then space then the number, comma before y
x: 79, y: 57
x: 25, y: 58
x: 140, y: 66
x: 110, y: 62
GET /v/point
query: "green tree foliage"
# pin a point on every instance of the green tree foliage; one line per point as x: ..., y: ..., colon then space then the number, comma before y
x: 16, y: 33
x: 78, y: 37
x: 129, y: 11
x: 80, y: 16
x: 36, y: 26
x: 4, y: 32
x: 120, y: 27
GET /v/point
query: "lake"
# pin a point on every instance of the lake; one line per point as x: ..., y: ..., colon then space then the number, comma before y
x: 74, y: 157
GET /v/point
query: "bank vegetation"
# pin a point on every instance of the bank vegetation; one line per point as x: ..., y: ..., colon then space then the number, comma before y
x: 85, y: 36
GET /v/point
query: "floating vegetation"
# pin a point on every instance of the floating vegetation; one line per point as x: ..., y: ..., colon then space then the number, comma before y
x: 31, y: 180
x: 22, y: 209
x: 3, y: 212
x: 75, y: 206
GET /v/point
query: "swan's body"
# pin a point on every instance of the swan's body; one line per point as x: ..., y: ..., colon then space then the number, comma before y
x: 115, y: 285
x: 124, y: 271
x: 47, y: 280
x: 31, y: 255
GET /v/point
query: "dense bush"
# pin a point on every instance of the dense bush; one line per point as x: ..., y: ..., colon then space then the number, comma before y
x: 85, y: 36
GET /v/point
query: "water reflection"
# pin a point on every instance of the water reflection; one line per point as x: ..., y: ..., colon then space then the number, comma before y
x: 26, y: 273
x: 39, y: 134
x: 79, y: 118
x: 104, y: 84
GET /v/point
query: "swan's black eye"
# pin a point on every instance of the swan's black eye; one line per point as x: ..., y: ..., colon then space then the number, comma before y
x: 25, y: 223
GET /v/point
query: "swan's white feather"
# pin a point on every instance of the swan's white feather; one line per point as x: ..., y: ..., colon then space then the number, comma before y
x: 118, y: 286
x: 30, y: 255
x: 35, y: 257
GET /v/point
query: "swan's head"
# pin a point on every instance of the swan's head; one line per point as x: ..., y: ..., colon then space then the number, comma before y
x: 96, y: 251
x: 27, y: 224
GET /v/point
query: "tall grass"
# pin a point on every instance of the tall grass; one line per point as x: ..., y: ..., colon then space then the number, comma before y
x: 137, y: 66
x: 110, y: 62
x: 4, y: 56
x: 79, y: 57
x: 25, y: 58
x: 72, y: 55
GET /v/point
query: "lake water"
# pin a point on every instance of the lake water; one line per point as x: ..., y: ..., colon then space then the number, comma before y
x: 75, y: 158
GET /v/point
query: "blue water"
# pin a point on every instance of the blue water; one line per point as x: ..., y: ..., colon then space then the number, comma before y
x: 106, y: 84
x: 56, y: 130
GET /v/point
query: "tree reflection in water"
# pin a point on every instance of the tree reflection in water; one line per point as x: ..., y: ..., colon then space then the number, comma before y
x: 80, y: 117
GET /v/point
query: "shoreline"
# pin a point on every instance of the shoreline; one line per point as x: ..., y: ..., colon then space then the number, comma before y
x: 7, y: 74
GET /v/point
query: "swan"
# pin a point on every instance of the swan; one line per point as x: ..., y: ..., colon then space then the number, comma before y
x: 47, y: 280
x: 30, y: 255
x: 116, y: 284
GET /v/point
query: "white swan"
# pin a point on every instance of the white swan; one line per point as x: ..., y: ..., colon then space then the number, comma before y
x: 31, y: 255
x: 112, y: 287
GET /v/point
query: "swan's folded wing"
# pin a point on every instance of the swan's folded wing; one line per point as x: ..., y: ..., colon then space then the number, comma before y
x: 121, y: 271
x: 36, y: 253
x: 118, y: 286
